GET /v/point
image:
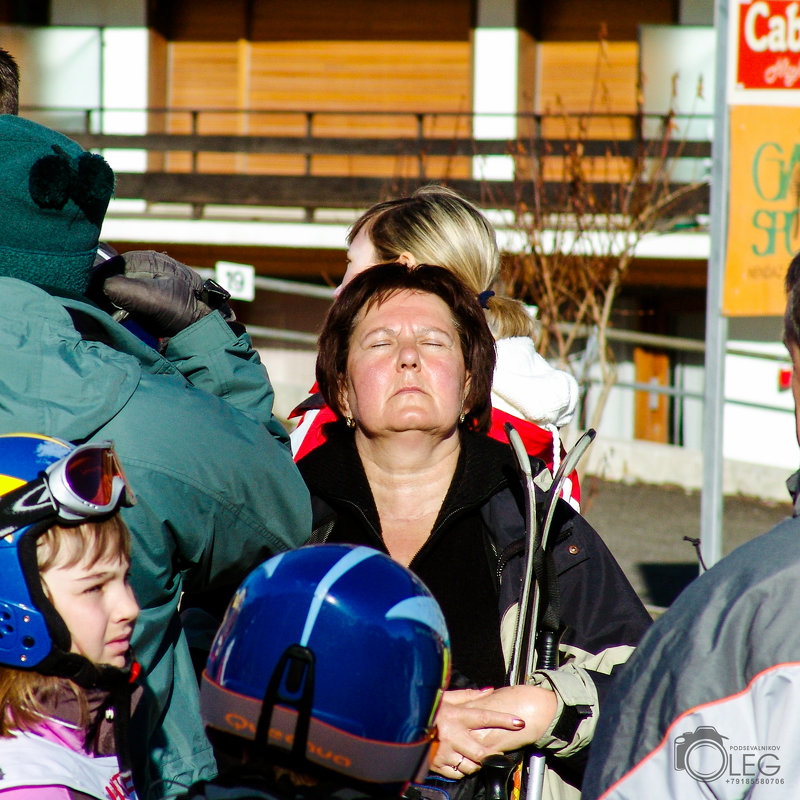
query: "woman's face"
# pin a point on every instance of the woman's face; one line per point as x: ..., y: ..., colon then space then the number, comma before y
x: 405, y: 368
x: 361, y: 255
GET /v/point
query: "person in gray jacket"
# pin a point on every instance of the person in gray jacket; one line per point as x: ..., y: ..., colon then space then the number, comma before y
x: 707, y: 705
x: 217, y: 488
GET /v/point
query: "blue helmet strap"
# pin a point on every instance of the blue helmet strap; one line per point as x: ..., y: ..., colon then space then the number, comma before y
x: 292, y: 686
x: 56, y: 627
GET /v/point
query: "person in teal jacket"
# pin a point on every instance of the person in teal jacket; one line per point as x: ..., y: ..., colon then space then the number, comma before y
x: 217, y: 489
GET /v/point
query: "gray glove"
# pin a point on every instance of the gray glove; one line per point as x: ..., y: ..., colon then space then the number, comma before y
x: 163, y: 295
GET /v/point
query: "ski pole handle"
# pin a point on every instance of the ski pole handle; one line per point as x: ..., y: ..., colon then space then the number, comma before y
x: 547, y: 646
x: 496, y: 771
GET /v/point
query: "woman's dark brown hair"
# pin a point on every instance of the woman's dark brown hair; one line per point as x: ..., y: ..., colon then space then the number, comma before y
x: 376, y: 285
x: 791, y: 317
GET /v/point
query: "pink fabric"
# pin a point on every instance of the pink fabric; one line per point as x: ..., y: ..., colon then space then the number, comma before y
x: 57, y: 733
x: 36, y: 793
x: 70, y: 739
x: 57, y: 730
x: 60, y: 733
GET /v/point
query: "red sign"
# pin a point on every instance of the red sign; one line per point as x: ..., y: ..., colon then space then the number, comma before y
x: 769, y: 45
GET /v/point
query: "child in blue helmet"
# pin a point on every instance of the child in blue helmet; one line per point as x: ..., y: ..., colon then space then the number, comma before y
x: 324, y: 678
x: 66, y: 617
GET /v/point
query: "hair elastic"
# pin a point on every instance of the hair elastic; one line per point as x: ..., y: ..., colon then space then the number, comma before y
x: 483, y: 298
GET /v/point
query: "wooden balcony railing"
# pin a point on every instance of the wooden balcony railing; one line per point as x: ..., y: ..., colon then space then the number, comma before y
x: 349, y: 160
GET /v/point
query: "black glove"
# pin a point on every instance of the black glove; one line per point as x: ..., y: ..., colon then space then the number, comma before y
x: 163, y: 295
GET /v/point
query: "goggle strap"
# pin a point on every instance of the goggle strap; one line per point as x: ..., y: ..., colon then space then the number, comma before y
x: 26, y: 505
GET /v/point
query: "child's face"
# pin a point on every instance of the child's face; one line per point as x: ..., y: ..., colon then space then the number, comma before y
x: 97, y: 605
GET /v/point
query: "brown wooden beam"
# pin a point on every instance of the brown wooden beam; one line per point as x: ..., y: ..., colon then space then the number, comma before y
x: 313, y: 191
x: 327, y: 145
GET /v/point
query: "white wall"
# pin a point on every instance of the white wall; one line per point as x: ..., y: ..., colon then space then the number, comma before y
x: 758, y: 436
x: 59, y: 68
x: 125, y: 72
x: 495, y: 57
x: 691, y: 378
x: 677, y: 66
x: 618, y: 416
x: 292, y: 375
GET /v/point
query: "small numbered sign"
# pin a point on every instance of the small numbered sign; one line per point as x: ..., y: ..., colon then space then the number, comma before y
x: 238, y: 279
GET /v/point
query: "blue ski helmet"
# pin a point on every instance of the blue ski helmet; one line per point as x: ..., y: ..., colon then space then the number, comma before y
x: 335, y: 655
x: 44, y: 481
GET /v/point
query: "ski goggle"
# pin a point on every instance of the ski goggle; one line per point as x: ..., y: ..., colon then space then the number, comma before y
x: 88, y: 482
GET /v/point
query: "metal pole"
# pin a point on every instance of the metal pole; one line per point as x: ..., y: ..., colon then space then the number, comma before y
x: 716, y: 324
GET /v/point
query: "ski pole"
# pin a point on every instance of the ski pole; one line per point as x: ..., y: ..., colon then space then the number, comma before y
x: 539, y: 595
x: 527, y: 619
x: 523, y: 627
x: 496, y: 772
x: 568, y: 465
x: 547, y: 636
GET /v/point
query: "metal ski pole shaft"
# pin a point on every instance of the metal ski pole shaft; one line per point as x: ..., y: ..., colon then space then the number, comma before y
x: 527, y: 618
x: 534, y: 787
x: 568, y: 465
x: 527, y: 637
x: 546, y: 640
x: 523, y: 626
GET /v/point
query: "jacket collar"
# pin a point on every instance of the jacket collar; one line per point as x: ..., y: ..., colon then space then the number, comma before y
x: 334, y: 472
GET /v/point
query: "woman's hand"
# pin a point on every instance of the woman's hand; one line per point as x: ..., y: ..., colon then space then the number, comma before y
x: 534, y: 704
x: 464, y: 719
x: 473, y: 724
